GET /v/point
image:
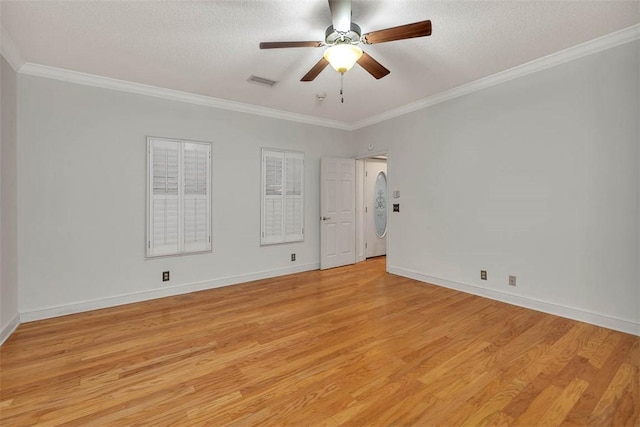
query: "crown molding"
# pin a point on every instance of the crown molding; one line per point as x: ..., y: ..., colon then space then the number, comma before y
x: 617, y: 38
x: 174, y: 95
x: 9, y: 51
x: 608, y: 41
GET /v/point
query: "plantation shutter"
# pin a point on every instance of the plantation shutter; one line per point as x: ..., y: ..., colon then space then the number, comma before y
x: 179, y: 197
x: 197, y: 200
x: 164, y: 201
x: 282, y: 196
x: 273, y: 196
x: 293, y: 211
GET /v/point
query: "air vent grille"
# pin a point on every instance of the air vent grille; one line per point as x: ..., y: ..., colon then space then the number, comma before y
x: 262, y: 81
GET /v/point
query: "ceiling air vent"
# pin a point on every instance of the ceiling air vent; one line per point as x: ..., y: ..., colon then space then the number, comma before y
x: 261, y: 81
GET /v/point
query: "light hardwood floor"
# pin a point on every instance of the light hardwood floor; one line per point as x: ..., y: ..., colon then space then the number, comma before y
x: 348, y: 346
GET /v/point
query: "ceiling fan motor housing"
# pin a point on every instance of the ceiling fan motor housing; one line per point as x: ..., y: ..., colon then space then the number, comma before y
x: 333, y: 37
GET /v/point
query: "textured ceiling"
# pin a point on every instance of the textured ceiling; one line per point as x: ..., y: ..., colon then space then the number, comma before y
x: 211, y: 47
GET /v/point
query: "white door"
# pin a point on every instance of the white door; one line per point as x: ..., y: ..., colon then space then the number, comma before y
x: 337, y: 212
x: 375, y: 201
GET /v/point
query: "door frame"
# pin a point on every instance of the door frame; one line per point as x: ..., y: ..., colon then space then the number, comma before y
x: 360, y: 189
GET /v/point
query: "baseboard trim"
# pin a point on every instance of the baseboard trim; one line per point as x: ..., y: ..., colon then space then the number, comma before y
x: 79, y: 307
x: 533, y: 304
x: 9, y: 328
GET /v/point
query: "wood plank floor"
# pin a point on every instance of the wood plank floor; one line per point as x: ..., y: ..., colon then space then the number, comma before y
x: 348, y: 346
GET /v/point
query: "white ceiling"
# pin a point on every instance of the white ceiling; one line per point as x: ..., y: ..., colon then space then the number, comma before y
x: 211, y: 47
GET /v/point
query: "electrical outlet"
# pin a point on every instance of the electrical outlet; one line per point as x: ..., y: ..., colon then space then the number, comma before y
x: 165, y: 276
x: 483, y: 274
x: 293, y: 257
x: 512, y: 280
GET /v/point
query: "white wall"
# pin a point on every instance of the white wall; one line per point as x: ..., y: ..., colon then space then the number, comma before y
x: 536, y: 177
x: 8, y: 197
x: 81, y: 180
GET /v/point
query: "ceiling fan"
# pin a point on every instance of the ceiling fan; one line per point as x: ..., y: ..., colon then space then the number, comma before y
x: 343, y: 38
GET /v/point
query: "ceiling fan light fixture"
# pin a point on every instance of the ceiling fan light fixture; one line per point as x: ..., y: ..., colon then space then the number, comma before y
x: 342, y: 57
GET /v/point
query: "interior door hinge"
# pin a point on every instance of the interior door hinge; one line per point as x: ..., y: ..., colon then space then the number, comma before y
x: 149, y: 244
x: 366, y: 209
x: 365, y: 245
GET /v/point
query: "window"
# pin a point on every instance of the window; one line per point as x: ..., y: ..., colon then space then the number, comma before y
x: 282, y: 197
x: 178, y: 197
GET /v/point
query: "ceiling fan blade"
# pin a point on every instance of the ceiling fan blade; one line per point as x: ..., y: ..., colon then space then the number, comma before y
x: 408, y: 31
x: 277, y: 45
x: 341, y: 14
x: 315, y: 70
x: 372, y: 66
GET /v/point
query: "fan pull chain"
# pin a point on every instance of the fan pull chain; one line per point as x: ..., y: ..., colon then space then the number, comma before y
x: 341, y: 88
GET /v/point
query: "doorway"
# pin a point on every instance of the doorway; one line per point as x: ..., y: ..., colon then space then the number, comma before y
x: 348, y: 204
x: 375, y: 212
x: 372, y: 206
x: 337, y: 212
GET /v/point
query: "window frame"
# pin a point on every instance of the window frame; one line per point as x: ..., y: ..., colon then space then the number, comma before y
x: 266, y: 240
x: 149, y: 254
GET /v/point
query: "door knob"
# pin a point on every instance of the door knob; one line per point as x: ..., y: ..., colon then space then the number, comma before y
x: 324, y: 218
